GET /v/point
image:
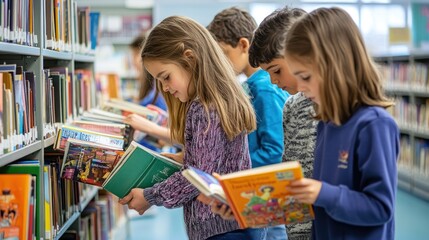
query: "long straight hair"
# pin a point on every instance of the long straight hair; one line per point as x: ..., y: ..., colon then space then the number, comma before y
x: 212, y: 76
x: 329, y: 40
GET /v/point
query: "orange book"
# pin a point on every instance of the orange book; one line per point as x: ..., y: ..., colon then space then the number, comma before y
x: 257, y: 197
x: 15, y: 193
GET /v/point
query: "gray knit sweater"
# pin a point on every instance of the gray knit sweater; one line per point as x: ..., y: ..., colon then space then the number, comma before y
x: 299, y: 129
x: 209, y: 150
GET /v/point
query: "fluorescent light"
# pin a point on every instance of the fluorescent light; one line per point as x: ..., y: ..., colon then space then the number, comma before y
x: 139, y: 3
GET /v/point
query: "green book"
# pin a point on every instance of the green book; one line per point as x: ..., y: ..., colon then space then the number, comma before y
x: 139, y: 167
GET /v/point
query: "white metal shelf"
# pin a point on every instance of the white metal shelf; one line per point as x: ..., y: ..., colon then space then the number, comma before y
x: 20, y: 153
x: 11, y: 48
x: 51, y: 54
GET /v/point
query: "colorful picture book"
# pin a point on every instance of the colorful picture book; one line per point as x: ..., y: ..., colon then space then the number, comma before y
x: 88, y: 162
x: 257, y: 197
x: 15, y: 195
x: 114, y: 170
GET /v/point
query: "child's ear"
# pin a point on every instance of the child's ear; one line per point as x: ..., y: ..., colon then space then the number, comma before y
x: 188, y: 54
x: 244, y: 44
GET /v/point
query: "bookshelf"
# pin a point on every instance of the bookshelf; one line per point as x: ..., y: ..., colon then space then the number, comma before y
x: 36, y: 58
x: 407, y: 82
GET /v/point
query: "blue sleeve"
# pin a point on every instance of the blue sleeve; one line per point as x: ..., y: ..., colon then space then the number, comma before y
x: 373, y: 204
x: 269, y: 112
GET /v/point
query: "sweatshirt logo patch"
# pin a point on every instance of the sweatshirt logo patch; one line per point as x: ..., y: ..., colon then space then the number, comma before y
x: 343, y: 159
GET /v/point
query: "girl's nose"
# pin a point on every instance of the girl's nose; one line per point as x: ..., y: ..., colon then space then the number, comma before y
x: 165, y: 87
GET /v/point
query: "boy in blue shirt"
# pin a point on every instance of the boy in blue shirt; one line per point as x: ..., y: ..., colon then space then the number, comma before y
x: 233, y: 29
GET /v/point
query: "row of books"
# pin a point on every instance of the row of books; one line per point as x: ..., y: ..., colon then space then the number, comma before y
x: 17, y: 108
x: 403, y: 76
x: 67, y: 95
x: 99, y: 219
x: 415, y: 159
x: 20, y: 194
x: 61, y: 198
x: 64, y: 98
x: 68, y: 25
x: 414, y: 116
x: 17, y: 22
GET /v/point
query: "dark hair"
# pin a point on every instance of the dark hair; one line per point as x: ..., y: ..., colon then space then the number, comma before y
x: 147, y: 83
x: 269, y: 38
x: 231, y: 24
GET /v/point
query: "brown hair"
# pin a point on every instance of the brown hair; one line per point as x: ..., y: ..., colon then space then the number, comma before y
x: 231, y: 24
x: 329, y: 39
x: 212, y: 76
x: 269, y: 38
x: 147, y: 83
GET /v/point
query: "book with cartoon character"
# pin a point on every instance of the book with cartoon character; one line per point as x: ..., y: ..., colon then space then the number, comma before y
x: 113, y: 169
x: 257, y: 197
x: 89, y: 162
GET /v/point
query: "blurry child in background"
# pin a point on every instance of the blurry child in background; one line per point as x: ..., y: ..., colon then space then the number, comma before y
x: 353, y: 188
x: 147, y: 93
x: 149, y: 132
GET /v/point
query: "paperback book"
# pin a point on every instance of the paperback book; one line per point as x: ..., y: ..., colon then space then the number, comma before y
x: 258, y: 197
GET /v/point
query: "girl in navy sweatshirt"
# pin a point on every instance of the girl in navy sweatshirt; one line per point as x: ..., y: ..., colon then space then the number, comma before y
x: 209, y: 114
x: 354, y: 177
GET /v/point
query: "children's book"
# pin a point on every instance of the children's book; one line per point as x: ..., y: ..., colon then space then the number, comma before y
x: 28, y: 167
x: 88, y: 162
x: 257, y: 197
x: 15, y: 195
x: 137, y: 167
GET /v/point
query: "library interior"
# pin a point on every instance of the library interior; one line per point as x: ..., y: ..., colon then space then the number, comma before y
x: 83, y: 122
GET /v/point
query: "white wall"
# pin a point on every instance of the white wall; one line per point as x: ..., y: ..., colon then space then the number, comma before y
x: 201, y: 11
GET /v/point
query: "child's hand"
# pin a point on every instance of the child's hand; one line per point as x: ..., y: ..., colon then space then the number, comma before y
x: 178, y: 157
x: 136, y: 200
x: 305, y: 190
x: 222, y: 210
x: 139, y: 123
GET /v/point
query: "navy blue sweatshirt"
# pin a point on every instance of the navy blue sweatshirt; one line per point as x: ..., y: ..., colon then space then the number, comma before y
x: 356, y: 163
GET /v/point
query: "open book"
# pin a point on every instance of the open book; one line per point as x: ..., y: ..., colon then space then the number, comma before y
x: 257, y: 197
x: 113, y: 169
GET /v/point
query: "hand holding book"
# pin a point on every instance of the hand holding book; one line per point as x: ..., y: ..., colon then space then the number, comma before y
x: 136, y: 200
x: 258, y: 197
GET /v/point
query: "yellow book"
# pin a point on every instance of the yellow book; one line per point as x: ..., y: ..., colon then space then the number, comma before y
x: 257, y: 197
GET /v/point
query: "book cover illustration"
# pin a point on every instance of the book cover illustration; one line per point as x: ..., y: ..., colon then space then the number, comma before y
x: 15, y: 193
x: 261, y: 199
x: 89, y: 163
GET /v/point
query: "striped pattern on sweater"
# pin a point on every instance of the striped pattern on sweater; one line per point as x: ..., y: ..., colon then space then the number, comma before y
x: 299, y: 129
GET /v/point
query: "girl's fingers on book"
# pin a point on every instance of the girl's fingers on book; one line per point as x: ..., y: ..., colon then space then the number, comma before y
x: 126, y: 199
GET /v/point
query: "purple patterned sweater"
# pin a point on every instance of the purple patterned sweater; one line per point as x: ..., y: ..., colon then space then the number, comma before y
x: 211, y: 151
